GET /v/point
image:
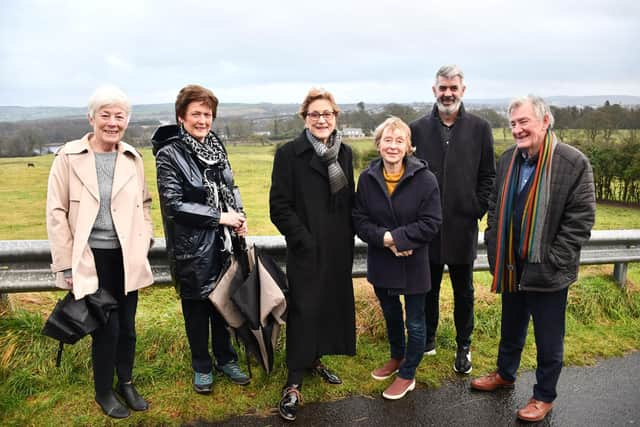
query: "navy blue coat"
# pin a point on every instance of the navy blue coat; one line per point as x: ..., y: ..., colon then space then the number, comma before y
x: 412, y: 214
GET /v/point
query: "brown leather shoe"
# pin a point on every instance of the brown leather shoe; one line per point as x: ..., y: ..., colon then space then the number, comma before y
x: 387, y: 370
x: 490, y: 382
x: 535, y: 410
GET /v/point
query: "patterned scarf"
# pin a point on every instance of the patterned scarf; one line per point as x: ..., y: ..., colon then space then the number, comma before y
x: 328, y: 153
x: 532, y: 221
x: 211, y: 154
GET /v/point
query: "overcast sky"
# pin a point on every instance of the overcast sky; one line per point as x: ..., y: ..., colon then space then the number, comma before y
x: 57, y: 52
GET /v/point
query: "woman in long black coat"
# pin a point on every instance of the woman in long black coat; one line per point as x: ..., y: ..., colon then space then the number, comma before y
x: 311, y: 198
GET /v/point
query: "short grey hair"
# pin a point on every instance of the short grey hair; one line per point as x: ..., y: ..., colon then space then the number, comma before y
x: 540, y: 107
x: 449, y: 72
x: 108, y: 95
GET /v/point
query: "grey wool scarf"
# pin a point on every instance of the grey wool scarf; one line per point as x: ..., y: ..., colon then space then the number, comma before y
x: 328, y: 153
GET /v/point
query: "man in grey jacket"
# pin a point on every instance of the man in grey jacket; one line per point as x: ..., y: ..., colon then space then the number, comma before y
x: 541, y: 211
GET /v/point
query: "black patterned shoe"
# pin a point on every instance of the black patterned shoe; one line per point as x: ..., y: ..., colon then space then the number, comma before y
x: 288, y: 405
x: 326, y: 374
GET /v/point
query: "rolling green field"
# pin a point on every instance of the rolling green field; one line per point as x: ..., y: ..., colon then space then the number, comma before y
x: 23, y: 192
x: 602, y: 321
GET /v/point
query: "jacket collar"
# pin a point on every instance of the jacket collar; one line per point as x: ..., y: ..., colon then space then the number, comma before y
x: 82, y: 145
x: 83, y: 163
x: 301, y: 144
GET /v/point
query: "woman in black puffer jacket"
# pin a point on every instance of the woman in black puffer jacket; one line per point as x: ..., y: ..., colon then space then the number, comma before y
x: 201, y: 212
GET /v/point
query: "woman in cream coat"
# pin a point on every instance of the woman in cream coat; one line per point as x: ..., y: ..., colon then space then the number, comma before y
x: 100, y: 231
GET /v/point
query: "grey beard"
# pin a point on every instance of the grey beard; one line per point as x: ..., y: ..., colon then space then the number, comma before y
x: 450, y: 109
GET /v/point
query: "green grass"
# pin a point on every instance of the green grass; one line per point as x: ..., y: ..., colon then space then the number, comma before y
x: 602, y: 321
x: 23, y: 193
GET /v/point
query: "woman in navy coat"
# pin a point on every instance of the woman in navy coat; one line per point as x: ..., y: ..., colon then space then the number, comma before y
x: 397, y: 212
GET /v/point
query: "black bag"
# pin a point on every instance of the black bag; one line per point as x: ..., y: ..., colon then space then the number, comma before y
x: 73, y: 319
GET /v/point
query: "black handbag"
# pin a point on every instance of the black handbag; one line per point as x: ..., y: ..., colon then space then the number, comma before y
x: 73, y: 319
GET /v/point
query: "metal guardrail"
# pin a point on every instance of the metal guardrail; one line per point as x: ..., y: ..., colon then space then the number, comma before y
x: 24, y: 264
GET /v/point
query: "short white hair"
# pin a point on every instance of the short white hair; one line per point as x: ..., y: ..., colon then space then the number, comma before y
x: 108, y: 95
x: 540, y: 107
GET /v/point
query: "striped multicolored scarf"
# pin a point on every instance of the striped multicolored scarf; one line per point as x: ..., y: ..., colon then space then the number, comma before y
x: 532, y: 221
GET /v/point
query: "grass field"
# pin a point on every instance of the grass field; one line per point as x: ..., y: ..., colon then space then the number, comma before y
x: 23, y: 192
x: 602, y: 321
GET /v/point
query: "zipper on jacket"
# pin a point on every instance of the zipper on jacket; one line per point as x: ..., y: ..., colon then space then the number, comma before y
x: 444, y: 186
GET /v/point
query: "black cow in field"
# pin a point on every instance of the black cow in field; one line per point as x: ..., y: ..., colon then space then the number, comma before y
x: 31, y: 165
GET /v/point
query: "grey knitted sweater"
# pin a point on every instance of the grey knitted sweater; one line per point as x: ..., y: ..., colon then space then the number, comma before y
x: 103, y: 234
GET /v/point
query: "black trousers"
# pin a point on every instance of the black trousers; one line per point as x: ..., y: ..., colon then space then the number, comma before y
x: 548, y: 312
x: 462, y: 282
x: 114, y: 344
x: 201, y: 318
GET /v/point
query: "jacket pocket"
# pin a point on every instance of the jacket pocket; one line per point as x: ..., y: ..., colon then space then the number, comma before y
x: 542, y: 276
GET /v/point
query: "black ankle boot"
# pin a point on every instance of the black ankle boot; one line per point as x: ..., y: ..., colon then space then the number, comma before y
x: 131, y: 396
x: 291, y: 398
x: 111, y: 406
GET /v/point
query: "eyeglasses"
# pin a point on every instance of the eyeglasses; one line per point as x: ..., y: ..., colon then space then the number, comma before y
x: 315, y: 116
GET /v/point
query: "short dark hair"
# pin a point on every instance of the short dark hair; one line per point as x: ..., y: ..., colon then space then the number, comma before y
x: 194, y: 93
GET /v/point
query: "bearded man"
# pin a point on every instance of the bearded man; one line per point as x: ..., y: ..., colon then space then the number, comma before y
x: 459, y: 149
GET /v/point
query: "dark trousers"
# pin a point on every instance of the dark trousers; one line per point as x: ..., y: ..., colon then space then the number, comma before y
x: 114, y: 344
x: 410, y: 348
x: 200, y: 319
x: 295, y: 377
x: 548, y: 312
x: 462, y: 282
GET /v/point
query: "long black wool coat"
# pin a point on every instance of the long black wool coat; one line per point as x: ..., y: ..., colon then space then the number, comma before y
x: 465, y: 169
x: 319, y: 233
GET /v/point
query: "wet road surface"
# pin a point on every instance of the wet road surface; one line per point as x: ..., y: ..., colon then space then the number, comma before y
x: 607, y: 394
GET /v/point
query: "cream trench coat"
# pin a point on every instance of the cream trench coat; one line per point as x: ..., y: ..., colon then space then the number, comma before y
x: 73, y: 201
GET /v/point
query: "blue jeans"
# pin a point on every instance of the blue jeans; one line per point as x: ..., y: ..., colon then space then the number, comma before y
x: 548, y: 312
x: 413, y: 350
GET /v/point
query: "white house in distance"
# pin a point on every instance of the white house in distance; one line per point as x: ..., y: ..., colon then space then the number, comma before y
x: 352, y: 133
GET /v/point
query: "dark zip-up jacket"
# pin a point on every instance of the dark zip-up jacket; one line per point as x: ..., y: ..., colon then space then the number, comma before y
x: 412, y: 214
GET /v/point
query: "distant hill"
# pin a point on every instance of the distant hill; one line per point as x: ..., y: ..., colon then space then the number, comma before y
x: 145, y: 111
x: 262, y: 110
x: 566, y: 101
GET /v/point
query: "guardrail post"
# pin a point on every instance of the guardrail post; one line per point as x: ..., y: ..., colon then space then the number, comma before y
x: 620, y: 273
x: 4, y: 301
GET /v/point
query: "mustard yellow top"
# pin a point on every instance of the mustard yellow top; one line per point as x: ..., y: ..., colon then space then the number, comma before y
x: 392, y: 179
